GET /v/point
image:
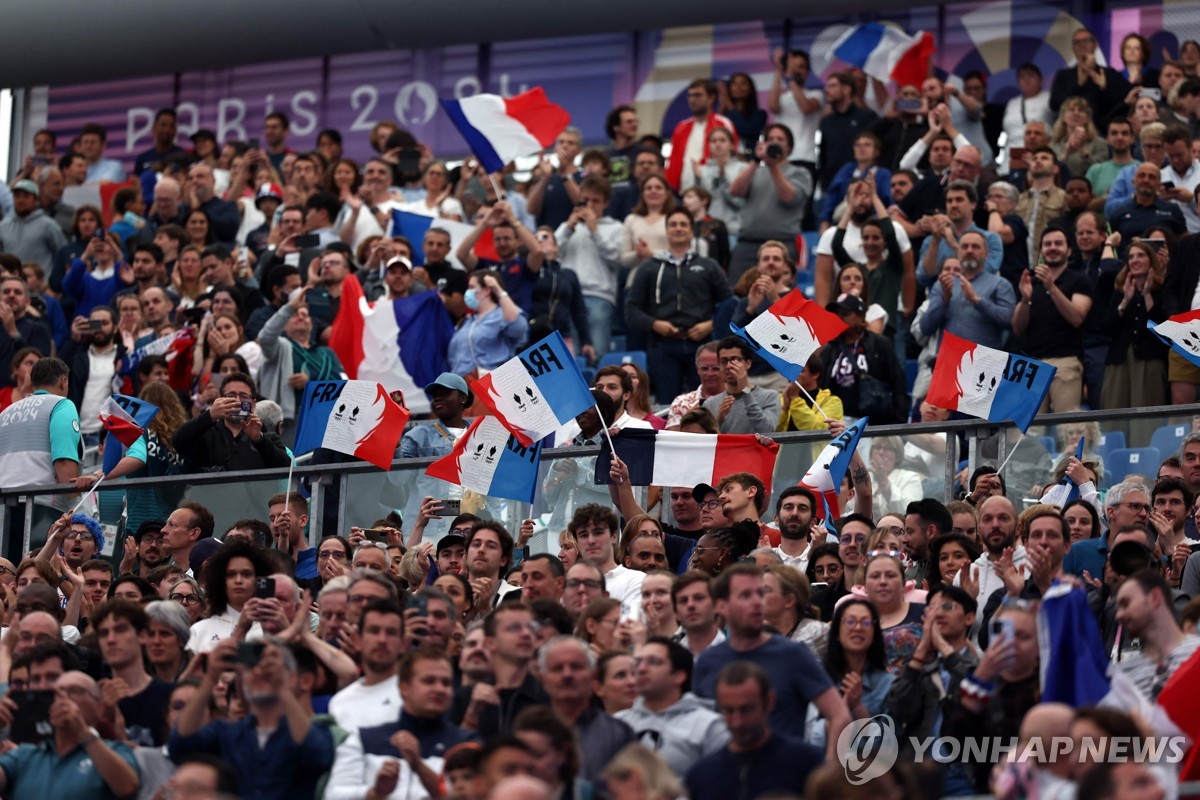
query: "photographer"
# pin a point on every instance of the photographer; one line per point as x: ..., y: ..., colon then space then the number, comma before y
x: 292, y: 755
x: 776, y: 193
x: 229, y: 436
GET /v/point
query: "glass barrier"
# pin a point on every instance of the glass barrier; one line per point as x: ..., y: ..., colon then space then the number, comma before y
x: 905, y: 463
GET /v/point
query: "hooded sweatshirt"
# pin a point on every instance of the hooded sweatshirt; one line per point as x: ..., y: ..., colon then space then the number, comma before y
x: 682, y: 733
x: 32, y: 238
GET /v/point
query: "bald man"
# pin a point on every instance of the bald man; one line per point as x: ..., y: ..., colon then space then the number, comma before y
x: 997, y: 531
x: 201, y: 194
x: 1146, y: 207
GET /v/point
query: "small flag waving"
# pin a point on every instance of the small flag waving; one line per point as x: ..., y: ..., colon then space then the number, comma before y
x: 126, y: 417
x: 489, y: 460
x: 357, y: 418
x: 1073, y: 663
x: 987, y: 383
x: 886, y: 52
x: 789, y: 332
x: 175, y: 347
x: 826, y: 474
x: 1065, y: 490
x: 537, y: 391
x: 1182, y: 332
x: 499, y: 129
x: 1180, y: 700
x: 401, y: 344
x: 672, y: 458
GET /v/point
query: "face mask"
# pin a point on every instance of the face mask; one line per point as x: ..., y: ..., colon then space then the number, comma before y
x: 471, y: 299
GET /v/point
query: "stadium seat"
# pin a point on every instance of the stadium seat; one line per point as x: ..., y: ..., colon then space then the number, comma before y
x: 616, y: 343
x: 1168, y: 438
x: 1108, y: 442
x: 624, y: 357
x: 1132, y: 461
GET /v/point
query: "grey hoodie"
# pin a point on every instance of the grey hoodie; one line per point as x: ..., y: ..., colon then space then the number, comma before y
x: 682, y: 734
x: 32, y: 238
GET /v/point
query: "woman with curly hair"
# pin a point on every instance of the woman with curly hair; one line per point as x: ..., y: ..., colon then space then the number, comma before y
x: 158, y: 458
x: 717, y: 549
x: 229, y: 578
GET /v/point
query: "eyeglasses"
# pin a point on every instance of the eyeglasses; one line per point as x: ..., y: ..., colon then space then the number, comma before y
x: 6, y: 571
x: 186, y: 599
x: 731, y: 360
x: 947, y: 605
x: 575, y: 583
x: 895, y: 531
x: 73, y: 535
x: 709, y: 504
x: 80, y: 691
x: 866, y: 623
x: 1137, y: 507
x: 517, y: 627
x: 649, y: 661
x: 892, y: 553
x: 238, y: 396
x: 853, y: 539
x: 336, y: 555
x: 833, y: 569
x: 147, y: 539
x: 461, y: 530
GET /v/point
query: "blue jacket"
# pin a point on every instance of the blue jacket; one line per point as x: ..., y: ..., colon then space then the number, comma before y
x: 984, y: 322
x: 945, y: 250
x: 841, y: 184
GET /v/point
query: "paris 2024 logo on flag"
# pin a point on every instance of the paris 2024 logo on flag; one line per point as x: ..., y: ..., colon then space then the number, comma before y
x: 868, y: 748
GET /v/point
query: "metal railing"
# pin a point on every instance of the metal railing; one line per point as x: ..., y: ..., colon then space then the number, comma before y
x: 357, y: 492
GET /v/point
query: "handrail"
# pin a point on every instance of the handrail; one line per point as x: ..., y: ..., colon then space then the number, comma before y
x: 978, y: 426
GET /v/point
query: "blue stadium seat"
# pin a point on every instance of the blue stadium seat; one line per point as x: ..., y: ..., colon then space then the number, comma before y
x: 589, y: 375
x: 1132, y: 461
x: 911, y: 367
x: 1110, y: 441
x: 624, y: 357
x: 616, y: 343
x: 1168, y: 438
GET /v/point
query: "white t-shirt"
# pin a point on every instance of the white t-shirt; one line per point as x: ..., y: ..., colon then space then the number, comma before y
x: 98, y: 389
x: 1189, y: 181
x: 625, y: 584
x: 694, y: 150
x: 852, y: 243
x: 1016, y: 114
x: 803, y: 126
x: 449, y: 207
x: 361, y: 706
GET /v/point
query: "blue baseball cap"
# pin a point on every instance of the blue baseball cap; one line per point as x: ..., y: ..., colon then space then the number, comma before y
x: 449, y: 380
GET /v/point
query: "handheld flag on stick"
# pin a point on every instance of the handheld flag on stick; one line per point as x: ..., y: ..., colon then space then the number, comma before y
x: 789, y: 332
x: 175, y: 347
x: 1073, y: 661
x: 536, y: 391
x: 824, y: 478
x: 1182, y: 332
x: 125, y: 418
x: 490, y: 460
x: 357, y: 418
x: 988, y: 383
x: 499, y: 129
x: 672, y: 458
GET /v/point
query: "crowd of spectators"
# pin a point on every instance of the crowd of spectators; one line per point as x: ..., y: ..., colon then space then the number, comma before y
x: 707, y: 641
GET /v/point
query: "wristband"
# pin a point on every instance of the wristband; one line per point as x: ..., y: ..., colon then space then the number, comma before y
x: 503, y: 295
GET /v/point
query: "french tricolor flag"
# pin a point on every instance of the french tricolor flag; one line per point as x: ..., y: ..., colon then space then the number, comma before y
x: 401, y: 344
x: 789, y: 332
x: 672, y: 458
x: 126, y: 418
x: 1182, y: 332
x: 886, y: 52
x: 826, y: 474
x: 499, y: 129
x: 987, y: 383
x: 490, y: 460
x: 537, y: 391
x: 357, y: 418
x: 1065, y: 490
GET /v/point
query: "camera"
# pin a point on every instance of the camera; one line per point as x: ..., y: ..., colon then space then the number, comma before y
x: 774, y: 151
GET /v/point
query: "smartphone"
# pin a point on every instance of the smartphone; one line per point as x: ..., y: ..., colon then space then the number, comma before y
x: 1168, y: 184
x: 450, y: 508
x: 1157, y: 244
x: 1155, y: 94
x: 264, y: 588
x: 409, y: 161
x: 99, y: 234
x: 246, y: 410
x: 419, y: 604
x: 375, y: 535
x: 908, y: 104
x: 252, y: 144
x: 95, y: 324
x: 194, y: 315
x: 250, y: 653
x: 31, y: 721
x: 1016, y: 155
x: 308, y: 240
x: 1001, y: 629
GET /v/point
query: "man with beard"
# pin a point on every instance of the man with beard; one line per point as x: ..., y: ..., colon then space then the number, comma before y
x: 373, y: 699
x: 509, y: 236
x: 1042, y: 200
x: 78, y: 541
x: 509, y: 640
x: 489, y: 555
x: 970, y: 302
x: 998, y: 532
x: 144, y: 550
x: 295, y: 754
x: 91, y: 355
x: 945, y: 229
x: 1049, y: 320
x: 1047, y: 540
x: 840, y: 245
x: 794, y: 516
x: 924, y: 521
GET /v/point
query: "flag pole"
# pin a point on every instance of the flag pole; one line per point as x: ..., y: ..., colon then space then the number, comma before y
x: 287, y: 487
x: 604, y: 428
x: 814, y: 402
x: 1007, y: 458
x: 496, y: 187
x: 83, y: 499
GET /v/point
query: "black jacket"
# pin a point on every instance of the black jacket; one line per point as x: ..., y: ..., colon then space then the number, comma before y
x: 843, y: 364
x: 209, y: 446
x: 1183, y: 273
x: 682, y: 294
x: 560, y: 287
x: 1130, y: 328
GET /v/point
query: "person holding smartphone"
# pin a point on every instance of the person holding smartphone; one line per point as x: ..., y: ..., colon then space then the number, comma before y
x: 229, y: 435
